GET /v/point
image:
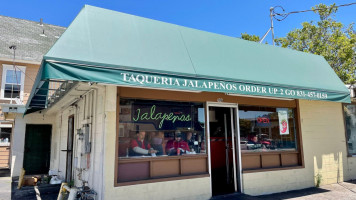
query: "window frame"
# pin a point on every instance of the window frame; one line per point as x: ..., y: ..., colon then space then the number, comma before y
x: 153, y: 94
x: 180, y: 158
x: 298, y: 151
x: 22, y: 70
x: 296, y: 127
x: 346, y: 139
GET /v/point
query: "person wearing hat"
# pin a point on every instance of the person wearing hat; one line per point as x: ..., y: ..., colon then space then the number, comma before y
x: 177, y: 145
x: 139, y: 146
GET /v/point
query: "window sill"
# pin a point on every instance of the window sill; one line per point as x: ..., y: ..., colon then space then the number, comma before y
x: 9, y: 99
x: 268, y: 152
x: 148, y: 158
x: 271, y: 169
x: 161, y: 179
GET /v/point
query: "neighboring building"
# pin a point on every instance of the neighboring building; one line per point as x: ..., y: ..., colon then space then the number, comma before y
x: 221, y: 114
x: 23, y: 44
x: 352, y: 89
x: 350, y: 121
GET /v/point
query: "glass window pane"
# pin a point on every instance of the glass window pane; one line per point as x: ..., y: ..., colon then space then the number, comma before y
x: 12, y: 77
x: 160, y: 128
x: 350, y: 121
x: 267, y: 129
x: 12, y: 91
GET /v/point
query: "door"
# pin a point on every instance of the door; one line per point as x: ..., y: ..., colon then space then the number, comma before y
x: 223, y: 159
x: 37, y: 149
x: 70, y: 148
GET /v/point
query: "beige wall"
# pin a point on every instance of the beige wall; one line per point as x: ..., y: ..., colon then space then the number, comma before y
x: 323, y: 142
x: 198, y: 188
x: 31, y: 72
x: 324, y: 146
x: 17, y: 140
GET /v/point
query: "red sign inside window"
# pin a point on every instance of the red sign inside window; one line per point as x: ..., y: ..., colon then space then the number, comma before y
x: 263, y: 120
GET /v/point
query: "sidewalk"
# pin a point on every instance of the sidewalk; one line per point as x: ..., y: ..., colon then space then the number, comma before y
x: 341, y: 191
x: 5, y: 188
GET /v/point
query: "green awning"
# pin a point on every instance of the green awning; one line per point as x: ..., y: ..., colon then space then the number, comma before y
x: 105, y: 46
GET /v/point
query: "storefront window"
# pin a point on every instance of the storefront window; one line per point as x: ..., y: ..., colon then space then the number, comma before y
x: 350, y: 122
x: 267, y: 129
x: 149, y: 128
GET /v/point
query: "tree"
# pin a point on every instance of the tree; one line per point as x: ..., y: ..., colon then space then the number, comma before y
x: 328, y: 38
x: 254, y: 38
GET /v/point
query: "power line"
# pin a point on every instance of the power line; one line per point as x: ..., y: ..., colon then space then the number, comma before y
x: 285, y: 15
x: 273, y: 14
x: 15, y: 74
x: 16, y: 67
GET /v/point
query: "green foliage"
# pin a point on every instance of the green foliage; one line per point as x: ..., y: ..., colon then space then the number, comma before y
x: 327, y: 38
x: 254, y: 38
x: 71, y: 183
x: 47, y: 179
x: 318, y: 179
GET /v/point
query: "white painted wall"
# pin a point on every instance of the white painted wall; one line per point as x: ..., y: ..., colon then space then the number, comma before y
x: 18, y: 138
x: 86, y: 167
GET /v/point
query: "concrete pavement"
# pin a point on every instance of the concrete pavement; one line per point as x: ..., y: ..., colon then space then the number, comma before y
x: 340, y: 191
x: 5, y: 188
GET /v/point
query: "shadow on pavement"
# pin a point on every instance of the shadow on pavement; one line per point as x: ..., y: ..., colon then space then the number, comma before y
x: 351, y: 181
x: 276, y: 196
x: 294, y: 193
x: 44, y: 191
x: 4, y: 172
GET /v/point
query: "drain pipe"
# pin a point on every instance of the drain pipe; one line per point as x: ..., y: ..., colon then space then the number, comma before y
x: 93, y: 118
x: 103, y: 144
x: 59, y: 146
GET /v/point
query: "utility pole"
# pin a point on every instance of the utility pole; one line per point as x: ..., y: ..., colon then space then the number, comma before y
x: 271, y: 16
x: 271, y: 9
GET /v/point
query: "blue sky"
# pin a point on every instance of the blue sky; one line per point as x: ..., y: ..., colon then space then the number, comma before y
x: 227, y: 17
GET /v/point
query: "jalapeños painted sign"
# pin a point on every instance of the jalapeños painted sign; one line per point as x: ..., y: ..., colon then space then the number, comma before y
x: 145, y: 80
x: 152, y: 115
x: 166, y: 115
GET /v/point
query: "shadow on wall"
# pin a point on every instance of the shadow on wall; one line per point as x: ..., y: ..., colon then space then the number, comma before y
x: 330, y: 168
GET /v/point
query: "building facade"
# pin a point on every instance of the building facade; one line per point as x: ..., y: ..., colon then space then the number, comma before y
x: 151, y: 110
x: 23, y: 45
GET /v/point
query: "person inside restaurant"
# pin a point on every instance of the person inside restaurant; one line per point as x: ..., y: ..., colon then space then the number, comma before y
x: 157, y: 142
x: 140, y: 147
x: 253, y: 142
x: 177, y: 146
